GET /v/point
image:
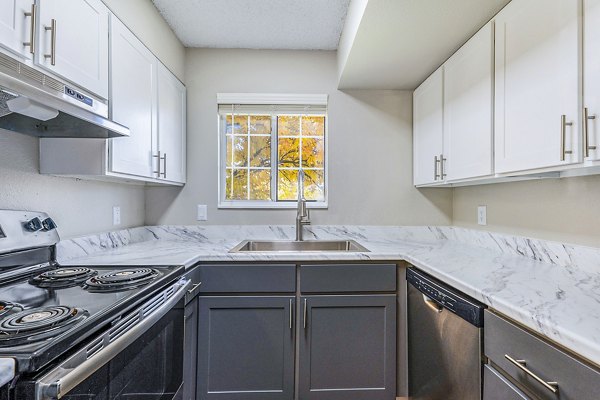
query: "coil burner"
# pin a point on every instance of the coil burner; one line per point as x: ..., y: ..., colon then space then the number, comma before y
x: 37, y: 324
x: 121, y: 280
x: 63, y: 277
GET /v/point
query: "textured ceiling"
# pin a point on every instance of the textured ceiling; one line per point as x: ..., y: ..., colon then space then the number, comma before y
x: 256, y: 24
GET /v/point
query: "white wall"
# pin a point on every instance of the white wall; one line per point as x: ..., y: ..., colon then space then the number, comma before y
x: 565, y: 209
x: 78, y: 207
x: 370, y: 144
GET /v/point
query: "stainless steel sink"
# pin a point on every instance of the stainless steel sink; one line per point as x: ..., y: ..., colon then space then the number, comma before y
x: 298, y: 246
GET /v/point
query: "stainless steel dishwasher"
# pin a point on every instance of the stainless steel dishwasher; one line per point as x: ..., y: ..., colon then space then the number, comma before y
x: 445, y: 341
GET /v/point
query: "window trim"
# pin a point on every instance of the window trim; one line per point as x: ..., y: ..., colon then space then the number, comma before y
x: 267, y: 99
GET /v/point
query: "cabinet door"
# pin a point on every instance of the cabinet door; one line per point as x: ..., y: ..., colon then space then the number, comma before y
x: 133, y: 103
x: 171, y: 125
x: 81, y: 42
x: 468, y: 107
x: 428, y: 129
x: 190, y: 350
x: 245, y: 348
x: 348, y: 348
x: 536, y: 82
x: 15, y: 26
x: 591, y: 78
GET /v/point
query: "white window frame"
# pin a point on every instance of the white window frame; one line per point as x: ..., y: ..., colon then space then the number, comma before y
x: 268, y: 100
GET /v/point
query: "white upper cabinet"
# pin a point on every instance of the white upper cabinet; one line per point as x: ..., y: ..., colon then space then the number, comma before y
x: 171, y: 126
x: 591, y: 80
x: 428, y: 130
x: 468, y: 108
x: 536, y: 85
x: 133, y: 103
x: 17, y: 28
x: 73, y: 42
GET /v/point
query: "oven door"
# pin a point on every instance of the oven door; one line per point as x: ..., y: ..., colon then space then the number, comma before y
x: 139, y: 358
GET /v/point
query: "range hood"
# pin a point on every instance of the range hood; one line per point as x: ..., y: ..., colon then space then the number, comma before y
x: 38, y: 105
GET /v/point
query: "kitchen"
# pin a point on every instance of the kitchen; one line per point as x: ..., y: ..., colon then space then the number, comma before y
x: 351, y: 199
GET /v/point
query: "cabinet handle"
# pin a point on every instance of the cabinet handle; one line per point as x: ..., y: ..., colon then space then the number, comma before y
x: 31, y: 42
x: 194, y: 287
x: 442, y: 162
x: 164, y: 173
x: 436, y: 162
x: 563, y: 136
x: 52, y: 55
x: 291, y: 313
x: 305, y: 312
x: 158, y: 157
x: 586, y: 134
x: 551, y: 386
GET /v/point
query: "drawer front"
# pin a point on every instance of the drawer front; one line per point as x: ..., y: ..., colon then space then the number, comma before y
x: 247, y: 278
x: 576, y: 380
x: 342, y: 278
x: 497, y: 387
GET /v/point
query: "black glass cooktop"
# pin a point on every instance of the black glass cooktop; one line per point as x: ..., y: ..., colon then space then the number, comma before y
x: 48, y: 312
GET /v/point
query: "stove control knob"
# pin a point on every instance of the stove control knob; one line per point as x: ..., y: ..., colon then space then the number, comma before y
x: 48, y: 224
x: 33, y: 225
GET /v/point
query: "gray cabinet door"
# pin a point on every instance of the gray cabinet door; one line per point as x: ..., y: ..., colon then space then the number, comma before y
x: 347, y: 348
x: 245, y: 348
x: 497, y: 387
x: 190, y: 350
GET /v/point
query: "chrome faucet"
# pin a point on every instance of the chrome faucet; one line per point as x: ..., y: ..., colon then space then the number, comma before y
x: 302, y: 215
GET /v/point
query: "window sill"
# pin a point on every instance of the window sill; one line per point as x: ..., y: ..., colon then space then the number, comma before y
x: 268, y: 205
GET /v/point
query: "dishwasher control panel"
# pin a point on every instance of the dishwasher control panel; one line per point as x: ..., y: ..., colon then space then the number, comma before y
x: 447, y: 297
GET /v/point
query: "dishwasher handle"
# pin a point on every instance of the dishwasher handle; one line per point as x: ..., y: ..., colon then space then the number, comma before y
x: 432, y: 304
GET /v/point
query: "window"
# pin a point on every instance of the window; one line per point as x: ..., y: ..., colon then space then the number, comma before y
x: 263, y: 150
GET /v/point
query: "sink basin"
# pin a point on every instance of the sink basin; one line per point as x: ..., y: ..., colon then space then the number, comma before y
x: 294, y: 246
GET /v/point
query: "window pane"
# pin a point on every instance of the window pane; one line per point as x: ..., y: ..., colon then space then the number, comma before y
x: 313, y: 126
x: 260, y: 125
x: 314, y: 185
x: 287, y: 185
x: 229, y: 144
x: 260, y: 151
x: 236, y: 184
x: 260, y: 184
x: 240, y: 152
x: 288, y: 125
x: 289, y: 153
x: 228, y: 126
x: 241, y: 124
x: 313, y: 153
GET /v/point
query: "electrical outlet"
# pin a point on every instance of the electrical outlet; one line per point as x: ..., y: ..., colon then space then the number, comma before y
x: 202, y: 214
x: 482, y: 215
x: 116, y: 215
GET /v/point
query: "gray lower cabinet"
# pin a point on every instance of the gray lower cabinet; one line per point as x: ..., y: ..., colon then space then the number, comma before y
x: 497, y: 387
x: 190, y: 347
x: 246, y: 348
x: 347, y: 347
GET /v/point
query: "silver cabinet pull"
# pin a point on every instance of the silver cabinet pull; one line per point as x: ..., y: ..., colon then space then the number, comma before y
x: 551, y: 386
x: 158, y: 157
x: 563, y: 136
x: 31, y: 42
x: 291, y: 313
x: 305, y: 312
x: 52, y: 55
x: 194, y: 287
x: 442, y: 167
x: 436, y: 162
x: 164, y: 173
x: 586, y: 132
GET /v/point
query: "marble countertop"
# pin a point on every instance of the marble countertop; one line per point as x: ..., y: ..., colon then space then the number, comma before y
x: 552, y: 288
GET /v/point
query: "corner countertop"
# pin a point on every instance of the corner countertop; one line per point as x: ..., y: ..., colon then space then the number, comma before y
x: 552, y: 288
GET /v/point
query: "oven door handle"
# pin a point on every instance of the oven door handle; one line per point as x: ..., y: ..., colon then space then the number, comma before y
x: 81, y: 365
